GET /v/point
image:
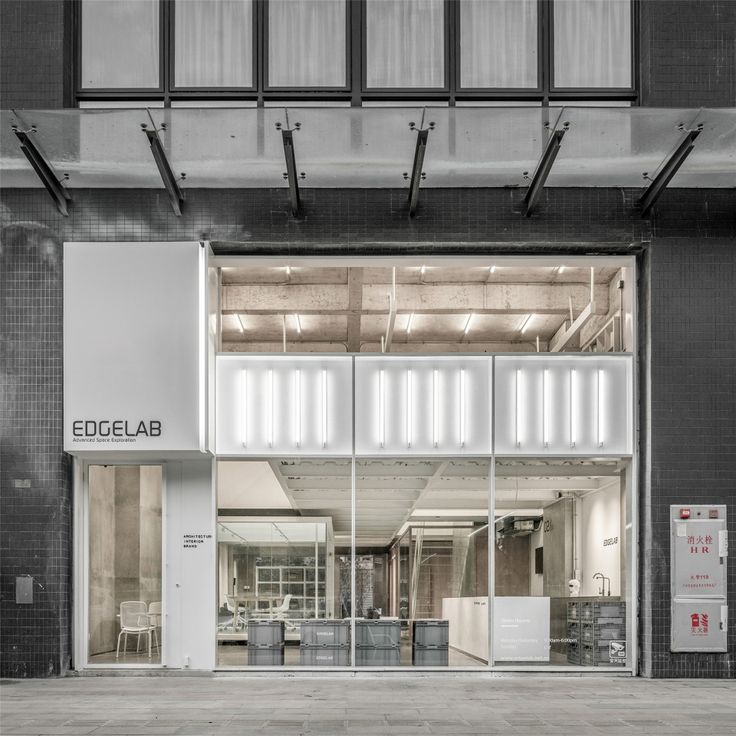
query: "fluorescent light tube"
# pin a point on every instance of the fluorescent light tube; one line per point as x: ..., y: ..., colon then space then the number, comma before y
x: 573, y: 406
x: 526, y: 322
x: 241, y: 326
x: 462, y: 407
x: 324, y: 408
x: 518, y: 407
x: 409, y: 323
x: 270, y: 407
x: 467, y: 323
x: 298, y: 324
x: 409, y: 408
x: 545, y: 407
x: 600, y: 408
x: 436, y: 407
x: 244, y: 407
x: 298, y: 407
x: 381, y: 409
x: 422, y: 269
x: 561, y: 269
x: 288, y: 271
x: 493, y: 269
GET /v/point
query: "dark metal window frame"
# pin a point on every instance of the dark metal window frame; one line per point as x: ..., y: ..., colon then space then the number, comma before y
x: 355, y: 92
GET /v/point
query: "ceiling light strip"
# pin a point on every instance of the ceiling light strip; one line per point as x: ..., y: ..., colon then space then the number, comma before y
x: 573, y: 406
x: 462, y: 407
x: 381, y: 408
x: 298, y: 407
x: 409, y: 407
x: 270, y: 407
x: 324, y: 408
x: 436, y: 407
x: 244, y: 407
x: 545, y: 407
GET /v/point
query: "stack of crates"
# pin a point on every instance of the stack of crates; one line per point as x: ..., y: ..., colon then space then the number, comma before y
x: 325, y: 642
x: 430, y: 643
x: 265, y: 643
x: 378, y: 643
x: 602, y: 622
x: 573, y: 632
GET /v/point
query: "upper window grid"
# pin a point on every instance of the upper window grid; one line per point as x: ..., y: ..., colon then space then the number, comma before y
x: 545, y: 89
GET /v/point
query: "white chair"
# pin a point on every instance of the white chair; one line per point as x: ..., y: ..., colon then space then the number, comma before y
x: 154, y: 615
x: 280, y: 611
x: 134, y: 619
x: 238, y: 619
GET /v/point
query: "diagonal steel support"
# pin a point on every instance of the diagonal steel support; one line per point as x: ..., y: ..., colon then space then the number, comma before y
x: 417, y: 175
x: 543, y: 168
x: 670, y: 168
x: 287, y: 140
x: 170, y: 182
x: 44, y: 170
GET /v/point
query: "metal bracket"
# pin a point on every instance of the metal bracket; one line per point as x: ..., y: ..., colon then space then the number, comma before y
x: 170, y: 182
x: 44, y: 170
x: 543, y: 168
x: 670, y: 168
x: 287, y: 140
x: 417, y: 175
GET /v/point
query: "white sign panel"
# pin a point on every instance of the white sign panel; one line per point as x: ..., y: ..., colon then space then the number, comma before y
x: 135, y: 347
x: 284, y: 405
x: 521, y: 629
x: 422, y: 405
x: 563, y: 405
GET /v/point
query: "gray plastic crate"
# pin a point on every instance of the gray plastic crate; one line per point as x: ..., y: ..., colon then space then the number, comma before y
x: 377, y: 656
x: 265, y: 633
x: 598, y: 655
x: 378, y: 633
x: 323, y: 656
x: 265, y: 656
x: 573, y: 653
x: 325, y: 632
x: 573, y: 630
x: 573, y: 613
x: 431, y: 633
x: 594, y: 609
x: 430, y: 656
x: 592, y: 633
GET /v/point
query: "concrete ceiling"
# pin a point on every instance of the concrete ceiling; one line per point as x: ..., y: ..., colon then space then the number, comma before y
x: 346, y: 309
x: 392, y: 492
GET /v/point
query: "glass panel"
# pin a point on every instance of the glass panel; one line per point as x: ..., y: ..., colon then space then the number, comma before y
x: 125, y: 614
x: 120, y: 43
x: 712, y: 162
x: 213, y: 43
x: 498, y: 43
x: 306, y: 43
x: 405, y: 41
x: 561, y: 550
x: 283, y: 598
x: 592, y: 43
x: 424, y: 602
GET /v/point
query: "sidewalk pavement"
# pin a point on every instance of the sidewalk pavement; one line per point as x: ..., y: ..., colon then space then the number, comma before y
x: 365, y: 705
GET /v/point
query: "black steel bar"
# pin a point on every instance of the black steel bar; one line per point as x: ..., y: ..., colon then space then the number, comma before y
x: 663, y: 178
x: 45, y: 172
x: 176, y: 196
x: 542, y: 172
x: 287, y: 139
x: 416, y: 170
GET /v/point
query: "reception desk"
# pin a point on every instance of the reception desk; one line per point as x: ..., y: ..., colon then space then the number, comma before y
x: 468, y: 625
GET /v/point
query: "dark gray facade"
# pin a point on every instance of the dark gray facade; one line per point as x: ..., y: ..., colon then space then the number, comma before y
x: 687, y: 268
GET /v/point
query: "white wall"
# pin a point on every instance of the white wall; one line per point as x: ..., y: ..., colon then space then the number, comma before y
x: 600, y: 515
x: 190, y: 601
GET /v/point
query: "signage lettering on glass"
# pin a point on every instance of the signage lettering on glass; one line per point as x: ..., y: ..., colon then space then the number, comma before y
x: 114, y: 430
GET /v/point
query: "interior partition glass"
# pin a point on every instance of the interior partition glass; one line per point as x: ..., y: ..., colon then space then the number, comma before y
x: 561, y: 545
x: 283, y: 538
x: 125, y: 615
x: 421, y: 574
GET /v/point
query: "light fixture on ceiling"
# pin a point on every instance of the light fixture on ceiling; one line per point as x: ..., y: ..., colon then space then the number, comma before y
x: 436, y: 407
x: 526, y: 322
x: 324, y: 408
x: 545, y: 407
x: 462, y: 407
x: 422, y: 270
x: 298, y: 323
x: 467, y: 324
x: 409, y: 323
x: 244, y: 407
x: 492, y: 269
x: 409, y: 408
x: 298, y: 407
x: 288, y: 272
x: 270, y: 407
x: 381, y: 409
x: 239, y: 321
x: 561, y: 269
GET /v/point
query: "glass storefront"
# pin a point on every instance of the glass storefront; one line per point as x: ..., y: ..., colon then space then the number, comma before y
x: 466, y: 510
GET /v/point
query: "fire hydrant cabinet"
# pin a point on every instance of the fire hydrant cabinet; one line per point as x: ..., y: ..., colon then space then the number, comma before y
x: 699, y: 554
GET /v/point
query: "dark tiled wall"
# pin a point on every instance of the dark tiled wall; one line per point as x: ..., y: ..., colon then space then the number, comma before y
x: 35, y: 488
x: 687, y: 54
x: 693, y: 427
x: 32, y: 61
